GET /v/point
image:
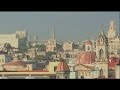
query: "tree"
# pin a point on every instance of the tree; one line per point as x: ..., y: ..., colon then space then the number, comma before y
x: 59, y: 47
x: 7, y: 46
x: 41, y: 47
x: 39, y: 57
x: 49, y: 54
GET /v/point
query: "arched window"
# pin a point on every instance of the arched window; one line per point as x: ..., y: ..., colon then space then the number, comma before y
x: 101, y: 54
x: 101, y: 40
x: 101, y: 73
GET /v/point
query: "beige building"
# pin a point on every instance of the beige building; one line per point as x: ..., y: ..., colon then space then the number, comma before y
x: 9, y: 38
x: 68, y: 46
x: 15, y: 40
x: 4, y: 59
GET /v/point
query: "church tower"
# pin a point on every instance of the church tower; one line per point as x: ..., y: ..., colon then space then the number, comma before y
x: 51, y: 44
x: 102, y: 53
x: 112, y: 30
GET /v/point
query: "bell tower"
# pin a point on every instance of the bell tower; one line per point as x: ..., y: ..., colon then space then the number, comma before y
x: 102, y: 52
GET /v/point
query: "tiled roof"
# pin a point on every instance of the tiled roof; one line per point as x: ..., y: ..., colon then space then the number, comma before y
x: 87, y: 57
x: 62, y: 67
x: 15, y: 63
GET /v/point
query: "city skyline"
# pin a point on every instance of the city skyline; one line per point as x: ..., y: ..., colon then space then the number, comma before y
x: 75, y: 26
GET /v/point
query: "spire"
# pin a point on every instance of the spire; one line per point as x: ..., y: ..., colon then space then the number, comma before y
x: 112, y: 25
x: 53, y: 34
x: 101, y: 29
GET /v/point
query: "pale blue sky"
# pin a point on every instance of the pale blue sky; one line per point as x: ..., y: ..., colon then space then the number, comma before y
x: 68, y: 25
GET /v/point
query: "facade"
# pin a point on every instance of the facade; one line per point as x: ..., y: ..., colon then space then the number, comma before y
x: 17, y: 40
x: 4, y: 59
x: 113, y: 39
x: 68, y: 46
x: 102, y: 53
x: 31, y: 52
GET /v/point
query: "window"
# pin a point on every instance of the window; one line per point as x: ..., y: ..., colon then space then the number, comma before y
x: 86, y: 73
x: 101, y: 39
x: 88, y: 48
x: 55, y: 68
x: 101, y: 54
x: 89, y: 73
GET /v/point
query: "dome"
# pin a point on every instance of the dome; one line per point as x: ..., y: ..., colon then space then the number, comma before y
x: 87, y: 57
x: 88, y: 42
x: 62, y: 67
x: 15, y: 63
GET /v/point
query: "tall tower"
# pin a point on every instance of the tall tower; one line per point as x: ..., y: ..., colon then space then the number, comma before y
x: 112, y: 30
x: 51, y: 44
x: 53, y: 34
x: 102, y: 52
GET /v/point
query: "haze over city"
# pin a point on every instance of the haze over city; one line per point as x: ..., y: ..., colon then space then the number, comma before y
x: 73, y: 26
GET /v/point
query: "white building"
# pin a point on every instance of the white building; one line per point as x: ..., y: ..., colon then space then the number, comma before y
x: 16, y: 40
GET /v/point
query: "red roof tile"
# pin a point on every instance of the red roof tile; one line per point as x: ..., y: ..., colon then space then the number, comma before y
x: 15, y: 63
x: 62, y: 67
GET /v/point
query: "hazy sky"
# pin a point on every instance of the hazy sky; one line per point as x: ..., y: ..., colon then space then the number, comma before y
x: 68, y: 25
